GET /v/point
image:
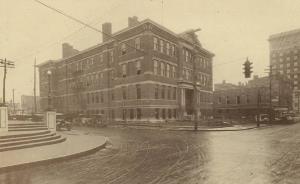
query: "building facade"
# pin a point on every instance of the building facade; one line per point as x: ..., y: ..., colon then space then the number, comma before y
x: 144, y: 72
x: 285, y: 59
x: 253, y: 98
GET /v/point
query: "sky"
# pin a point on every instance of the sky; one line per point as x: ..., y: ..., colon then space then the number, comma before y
x: 233, y: 30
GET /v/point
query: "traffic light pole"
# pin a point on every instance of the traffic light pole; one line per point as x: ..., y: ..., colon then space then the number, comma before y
x: 270, y: 89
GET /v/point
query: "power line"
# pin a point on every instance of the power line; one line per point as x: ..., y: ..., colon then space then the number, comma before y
x: 87, y: 25
x: 67, y: 36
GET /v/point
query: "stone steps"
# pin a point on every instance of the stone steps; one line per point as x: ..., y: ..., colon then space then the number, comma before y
x: 29, y: 140
x: 27, y: 127
x: 28, y: 135
x: 11, y: 139
x: 35, y: 144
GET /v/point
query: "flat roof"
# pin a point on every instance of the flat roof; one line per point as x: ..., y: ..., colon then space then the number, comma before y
x: 286, y: 33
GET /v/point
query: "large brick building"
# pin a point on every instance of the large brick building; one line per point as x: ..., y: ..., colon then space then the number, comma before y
x: 285, y: 59
x: 141, y: 73
x: 252, y: 98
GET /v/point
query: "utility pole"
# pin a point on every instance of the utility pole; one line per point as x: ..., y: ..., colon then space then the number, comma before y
x: 34, y: 87
x: 270, y: 86
x: 258, y: 106
x: 13, y: 93
x: 5, y: 64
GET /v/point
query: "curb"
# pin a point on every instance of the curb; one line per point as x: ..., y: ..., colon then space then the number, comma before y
x: 221, y: 130
x: 52, y: 160
x: 201, y: 130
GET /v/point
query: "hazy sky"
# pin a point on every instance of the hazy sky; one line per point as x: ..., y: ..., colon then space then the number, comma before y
x: 232, y: 29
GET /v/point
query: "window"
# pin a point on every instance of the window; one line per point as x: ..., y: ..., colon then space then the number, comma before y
x: 124, y: 70
x: 219, y: 100
x: 112, y: 74
x: 138, y: 67
x: 155, y: 43
x: 131, y: 114
x: 168, y: 70
x: 138, y: 113
x: 93, y: 97
x: 124, y: 95
x: 123, y: 49
x: 163, y: 92
x: 124, y: 114
x: 169, y: 93
x: 161, y: 45
x: 162, y: 69
x: 111, y: 56
x: 155, y: 68
x: 138, y: 91
x: 87, y: 98
x: 137, y: 43
x: 174, y: 93
x: 175, y: 113
x: 156, y: 113
x: 174, y: 72
x: 101, y: 58
x: 113, y: 114
x: 186, y: 55
x: 227, y: 100
x: 169, y: 113
x: 247, y: 99
x: 163, y: 113
x: 238, y: 100
x: 173, y: 52
x: 168, y: 48
x: 112, y: 95
x: 101, y: 97
x: 156, y: 92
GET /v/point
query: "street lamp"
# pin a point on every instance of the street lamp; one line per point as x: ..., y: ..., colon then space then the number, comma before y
x: 49, y: 73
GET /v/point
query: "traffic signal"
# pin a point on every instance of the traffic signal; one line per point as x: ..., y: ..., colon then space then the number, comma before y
x: 247, y: 68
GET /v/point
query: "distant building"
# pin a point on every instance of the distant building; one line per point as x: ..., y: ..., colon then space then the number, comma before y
x: 224, y: 86
x: 253, y: 97
x: 146, y: 73
x: 27, y: 104
x: 285, y: 59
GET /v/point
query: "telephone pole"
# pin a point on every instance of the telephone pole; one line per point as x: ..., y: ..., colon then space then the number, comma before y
x: 34, y: 87
x: 13, y: 93
x: 5, y: 64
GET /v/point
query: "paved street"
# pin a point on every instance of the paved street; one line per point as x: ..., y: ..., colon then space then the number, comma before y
x: 267, y: 155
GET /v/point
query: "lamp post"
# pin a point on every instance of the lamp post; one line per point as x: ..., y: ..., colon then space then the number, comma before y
x: 49, y: 73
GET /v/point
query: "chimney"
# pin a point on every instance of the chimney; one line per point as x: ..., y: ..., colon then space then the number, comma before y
x: 106, y: 31
x: 68, y: 50
x: 132, y: 21
x: 224, y: 82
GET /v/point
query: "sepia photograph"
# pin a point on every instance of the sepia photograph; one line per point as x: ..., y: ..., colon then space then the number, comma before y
x: 149, y: 92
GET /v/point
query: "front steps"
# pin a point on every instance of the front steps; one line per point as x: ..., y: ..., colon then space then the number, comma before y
x: 28, y: 135
x: 27, y: 127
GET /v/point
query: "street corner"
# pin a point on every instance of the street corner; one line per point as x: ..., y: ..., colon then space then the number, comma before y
x: 76, y: 144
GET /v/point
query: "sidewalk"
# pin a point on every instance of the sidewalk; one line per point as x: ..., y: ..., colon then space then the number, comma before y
x: 77, y: 144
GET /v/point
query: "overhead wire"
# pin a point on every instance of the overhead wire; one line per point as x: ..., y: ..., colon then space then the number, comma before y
x: 87, y: 25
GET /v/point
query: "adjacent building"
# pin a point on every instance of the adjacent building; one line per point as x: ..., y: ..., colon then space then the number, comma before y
x: 285, y: 59
x: 253, y: 98
x: 144, y: 72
